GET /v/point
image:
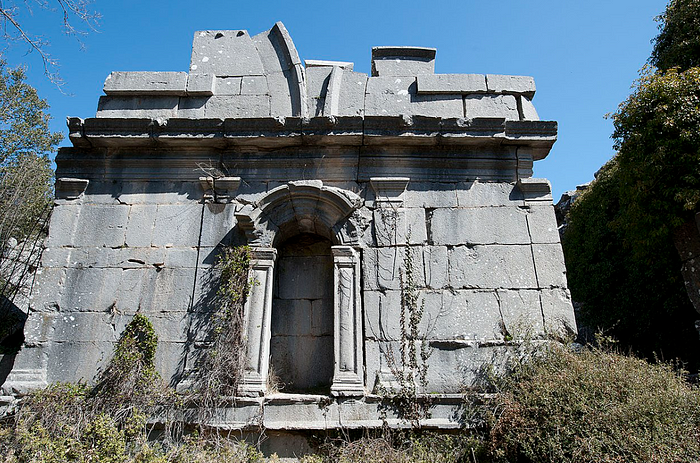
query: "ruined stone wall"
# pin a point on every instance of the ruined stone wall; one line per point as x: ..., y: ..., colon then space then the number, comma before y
x: 253, y: 148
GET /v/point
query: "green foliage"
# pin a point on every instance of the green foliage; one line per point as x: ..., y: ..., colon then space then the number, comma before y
x: 130, y: 382
x: 399, y: 448
x: 624, y: 235
x: 222, y: 367
x: 26, y: 178
x: 657, y: 135
x: 644, y: 305
x: 560, y: 406
x: 678, y: 43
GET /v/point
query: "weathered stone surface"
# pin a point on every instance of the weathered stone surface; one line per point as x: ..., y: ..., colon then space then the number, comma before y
x: 107, y: 224
x: 151, y: 107
x: 430, y: 195
x: 529, y: 113
x: 141, y: 224
x: 522, y: 313
x: 252, y: 148
x: 511, y: 84
x: 224, y: 53
x: 491, y: 106
x: 146, y: 83
x: 559, y: 319
x: 542, y: 224
x: 549, y: 261
x: 484, y: 194
x: 177, y: 225
x: 402, y: 61
x: 200, y: 84
x: 494, y: 266
x: 483, y: 225
x: 237, y: 106
x: 451, y: 83
x: 436, y: 266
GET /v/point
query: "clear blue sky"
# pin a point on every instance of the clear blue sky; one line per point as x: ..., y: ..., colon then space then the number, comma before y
x: 584, y: 56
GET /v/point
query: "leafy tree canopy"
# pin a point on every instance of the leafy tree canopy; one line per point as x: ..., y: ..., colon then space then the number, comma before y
x: 657, y: 136
x: 678, y: 42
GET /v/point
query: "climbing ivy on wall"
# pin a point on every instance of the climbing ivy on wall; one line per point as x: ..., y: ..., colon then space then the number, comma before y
x: 221, y: 369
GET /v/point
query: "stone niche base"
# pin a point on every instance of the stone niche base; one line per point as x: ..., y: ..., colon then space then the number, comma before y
x: 305, y: 412
x: 293, y: 425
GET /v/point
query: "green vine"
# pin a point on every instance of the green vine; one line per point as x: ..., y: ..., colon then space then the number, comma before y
x: 410, y: 369
x: 222, y: 366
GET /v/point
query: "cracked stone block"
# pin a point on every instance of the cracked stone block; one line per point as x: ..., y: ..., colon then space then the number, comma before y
x: 487, y: 225
x: 254, y: 85
x: 145, y: 82
x: 451, y: 83
x: 511, y: 84
x: 436, y: 266
x: 83, y: 327
x: 381, y: 267
x: 177, y: 225
x: 468, y: 314
x: 73, y: 361
x: 173, y: 288
x: 559, y: 318
x: 491, y: 106
x: 549, y: 263
x: 217, y: 223
x: 430, y: 195
x: 64, y: 220
x: 280, y: 97
x: 152, y: 107
x: 237, y: 106
x: 227, y: 85
x: 200, y: 84
x: 529, y: 111
x: 351, y: 101
x: 522, y: 312
x: 493, y: 266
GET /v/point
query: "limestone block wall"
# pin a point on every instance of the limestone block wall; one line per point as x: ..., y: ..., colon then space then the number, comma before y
x: 332, y: 178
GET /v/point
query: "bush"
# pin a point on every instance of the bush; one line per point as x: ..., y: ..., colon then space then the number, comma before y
x: 594, y: 406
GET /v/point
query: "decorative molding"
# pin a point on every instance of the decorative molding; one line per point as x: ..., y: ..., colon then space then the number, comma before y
x: 389, y: 190
x: 535, y: 189
x: 220, y: 189
x: 71, y: 188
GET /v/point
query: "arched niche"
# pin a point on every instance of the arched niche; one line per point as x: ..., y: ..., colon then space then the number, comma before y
x: 299, y: 208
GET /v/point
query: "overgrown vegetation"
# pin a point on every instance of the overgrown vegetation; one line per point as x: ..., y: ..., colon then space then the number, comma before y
x: 594, y: 406
x: 221, y: 368
x: 26, y: 180
x: 80, y: 423
x: 632, y: 241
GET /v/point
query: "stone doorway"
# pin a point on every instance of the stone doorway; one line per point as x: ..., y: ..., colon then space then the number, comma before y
x: 301, y: 343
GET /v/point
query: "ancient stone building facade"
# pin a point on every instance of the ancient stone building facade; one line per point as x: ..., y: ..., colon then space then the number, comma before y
x: 336, y: 180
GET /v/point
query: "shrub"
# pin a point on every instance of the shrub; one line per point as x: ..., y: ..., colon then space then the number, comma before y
x: 594, y: 406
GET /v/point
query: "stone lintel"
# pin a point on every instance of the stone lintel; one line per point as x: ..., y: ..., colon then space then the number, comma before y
x: 316, y: 63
